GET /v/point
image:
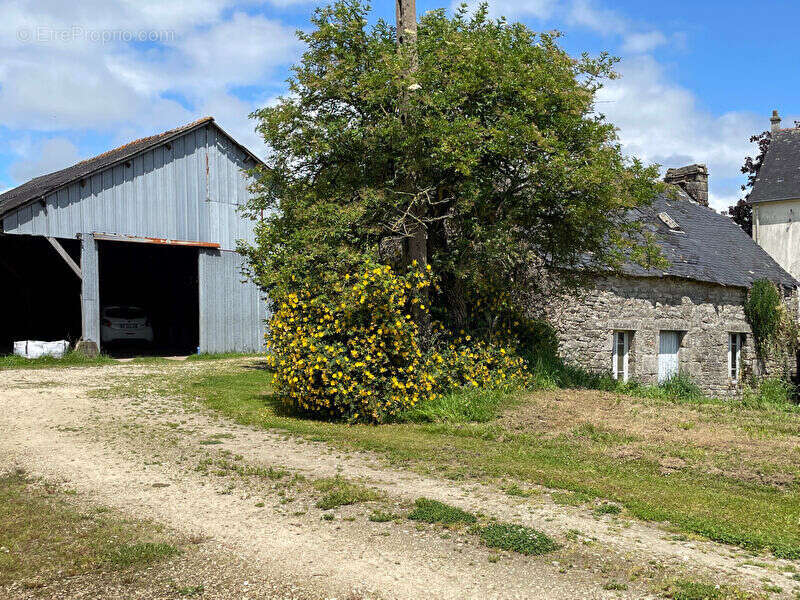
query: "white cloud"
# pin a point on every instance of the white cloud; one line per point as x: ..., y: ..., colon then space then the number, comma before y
x: 53, y: 154
x: 660, y: 121
x: 55, y: 76
x: 637, y: 43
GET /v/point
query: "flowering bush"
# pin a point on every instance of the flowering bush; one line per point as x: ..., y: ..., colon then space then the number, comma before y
x: 465, y: 362
x: 351, y: 354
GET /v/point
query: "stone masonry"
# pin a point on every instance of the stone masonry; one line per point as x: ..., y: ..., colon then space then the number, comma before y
x: 704, y: 313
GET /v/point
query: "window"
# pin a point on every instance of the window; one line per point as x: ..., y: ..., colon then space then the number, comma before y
x: 619, y: 364
x: 735, y: 344
x: 669, y: 343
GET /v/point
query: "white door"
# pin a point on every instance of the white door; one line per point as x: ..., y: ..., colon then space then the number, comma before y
x: 668, y: 343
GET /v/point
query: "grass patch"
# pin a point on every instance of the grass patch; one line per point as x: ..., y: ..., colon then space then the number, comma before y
x: 517, y: 538
x: 380, y: 516
x: 142, y: 553
x: 608, y: 509
x: 70, y: 359
x: 684, y: 589
x: 190, y: 591
x: 460, y: 406
x: 340, y: 492
x: 49, y: 538
x: 615, y: 586
x: 571, y: 498
x: 516, y: 490
x: 433, y: 511
x: 219, y: 356
x: 747, y: 513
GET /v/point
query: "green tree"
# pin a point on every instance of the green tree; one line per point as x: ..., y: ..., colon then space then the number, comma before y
x: 484, y: 135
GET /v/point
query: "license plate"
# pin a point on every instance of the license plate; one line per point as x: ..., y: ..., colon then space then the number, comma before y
x: 129, y: 326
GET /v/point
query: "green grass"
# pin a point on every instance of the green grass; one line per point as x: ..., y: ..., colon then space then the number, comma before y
x: 608, y: 508
x: 684, y: 589
x: 70, y: 359
x: 340, y: 492
x: 517, y: 538
x: 219, y: 356
x: 50, y: 538
x: 380, y: 516
x: 460, y: 406
x: 433, y: 511
x: 749, y: 514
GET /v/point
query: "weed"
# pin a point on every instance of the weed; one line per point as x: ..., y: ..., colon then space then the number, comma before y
x: 615, y: 585
x: 570, y: 498
x: 518, y: 538
x: 684, y: 589
x: 142, y: 553
x: 433, y: 511
x: 608, y: 508
x: 380, y: 516
x: 340, y: 492
x: 190, y: 591
x: 515, y: 490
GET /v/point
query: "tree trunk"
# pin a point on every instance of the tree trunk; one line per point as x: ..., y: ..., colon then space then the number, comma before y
x: 415, y: 246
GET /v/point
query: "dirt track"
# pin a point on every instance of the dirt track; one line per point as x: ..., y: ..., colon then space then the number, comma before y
x: 144, y: 457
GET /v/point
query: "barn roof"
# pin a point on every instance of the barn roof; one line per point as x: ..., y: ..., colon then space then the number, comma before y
x: 703, y: 245
x: 779, y: 175
x: 44, y: 185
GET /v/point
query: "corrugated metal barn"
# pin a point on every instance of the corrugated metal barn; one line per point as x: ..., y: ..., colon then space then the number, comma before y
x: 153, y: 224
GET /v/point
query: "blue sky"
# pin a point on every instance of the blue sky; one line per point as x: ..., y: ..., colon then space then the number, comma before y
x: 698, y: 78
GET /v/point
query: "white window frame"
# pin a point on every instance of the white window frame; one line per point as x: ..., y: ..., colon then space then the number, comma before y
x: 626, y: 344
x: 736, y: 340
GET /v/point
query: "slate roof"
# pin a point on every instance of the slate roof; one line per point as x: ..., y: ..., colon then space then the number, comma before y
x: 779, y: 176
x: 46, y: 184
x: 707, y: 246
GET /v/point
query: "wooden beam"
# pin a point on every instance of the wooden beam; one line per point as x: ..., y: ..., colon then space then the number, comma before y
x: 67, y: 258
x: 114, y: 237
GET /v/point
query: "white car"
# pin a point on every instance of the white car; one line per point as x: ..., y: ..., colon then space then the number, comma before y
x: 125, y: 323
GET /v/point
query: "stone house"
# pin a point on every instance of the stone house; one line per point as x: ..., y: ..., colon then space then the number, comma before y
x: 649, y: 325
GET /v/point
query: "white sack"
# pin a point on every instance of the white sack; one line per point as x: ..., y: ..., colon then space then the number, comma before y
x: 36, y: 349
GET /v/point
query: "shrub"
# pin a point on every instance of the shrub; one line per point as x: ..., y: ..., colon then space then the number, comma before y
x: 763, y: 311
x: 353, y: 353
x: 517, y: 538
x: 465, y: 362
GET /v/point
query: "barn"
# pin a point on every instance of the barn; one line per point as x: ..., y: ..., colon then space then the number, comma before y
x: 152, y: 225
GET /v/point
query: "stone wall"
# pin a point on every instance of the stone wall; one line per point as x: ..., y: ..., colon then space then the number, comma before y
x: 705, y: 313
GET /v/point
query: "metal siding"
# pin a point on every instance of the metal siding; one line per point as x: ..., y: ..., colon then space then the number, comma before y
x: 90, y: 290
x: 232, y: 312
x: 189, y: 192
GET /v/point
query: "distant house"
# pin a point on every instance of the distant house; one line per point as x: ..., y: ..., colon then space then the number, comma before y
x: 153, y: 224
x: 775, y: 198
x: 649, y: 325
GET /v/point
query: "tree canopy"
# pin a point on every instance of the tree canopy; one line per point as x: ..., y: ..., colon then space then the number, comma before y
x: 491, y: 143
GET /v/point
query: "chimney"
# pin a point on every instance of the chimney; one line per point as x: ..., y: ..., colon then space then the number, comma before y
x: 692, y: 179
x: 775, y: 121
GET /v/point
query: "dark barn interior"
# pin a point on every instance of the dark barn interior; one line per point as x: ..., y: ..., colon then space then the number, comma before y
x: 163, y: 281
x: 39, y: 294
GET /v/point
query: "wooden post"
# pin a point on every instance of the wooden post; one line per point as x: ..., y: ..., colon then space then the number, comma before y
x: 415, y: 246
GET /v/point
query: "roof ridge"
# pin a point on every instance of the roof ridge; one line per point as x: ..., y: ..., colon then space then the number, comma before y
x: 142, y: 140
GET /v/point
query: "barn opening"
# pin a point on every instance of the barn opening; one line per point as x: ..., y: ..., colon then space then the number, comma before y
x: 156, y: 283
x: 40, y: 297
